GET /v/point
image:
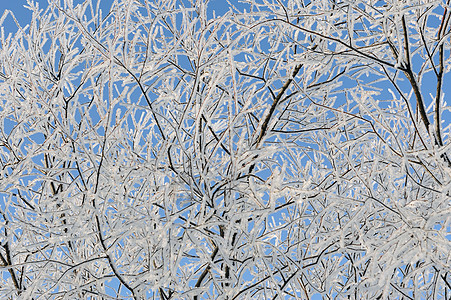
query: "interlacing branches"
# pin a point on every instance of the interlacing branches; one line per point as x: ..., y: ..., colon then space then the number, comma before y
x: 281, y: 149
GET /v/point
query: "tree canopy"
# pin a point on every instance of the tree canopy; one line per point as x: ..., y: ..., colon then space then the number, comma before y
x: 284, y: 149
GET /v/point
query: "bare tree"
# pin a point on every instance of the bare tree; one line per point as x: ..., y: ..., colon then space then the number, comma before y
x: 284, y: 149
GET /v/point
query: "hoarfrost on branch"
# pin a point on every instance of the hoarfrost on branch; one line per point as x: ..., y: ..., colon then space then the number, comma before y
x: 281, y: 150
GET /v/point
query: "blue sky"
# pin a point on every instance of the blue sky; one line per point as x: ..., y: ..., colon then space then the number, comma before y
x: 23, y: 15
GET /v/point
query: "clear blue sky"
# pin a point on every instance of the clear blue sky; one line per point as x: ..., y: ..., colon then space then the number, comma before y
x: 23, y: 15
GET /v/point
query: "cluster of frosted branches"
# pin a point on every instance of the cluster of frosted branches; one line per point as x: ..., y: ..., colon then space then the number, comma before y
x: 287, y: 148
